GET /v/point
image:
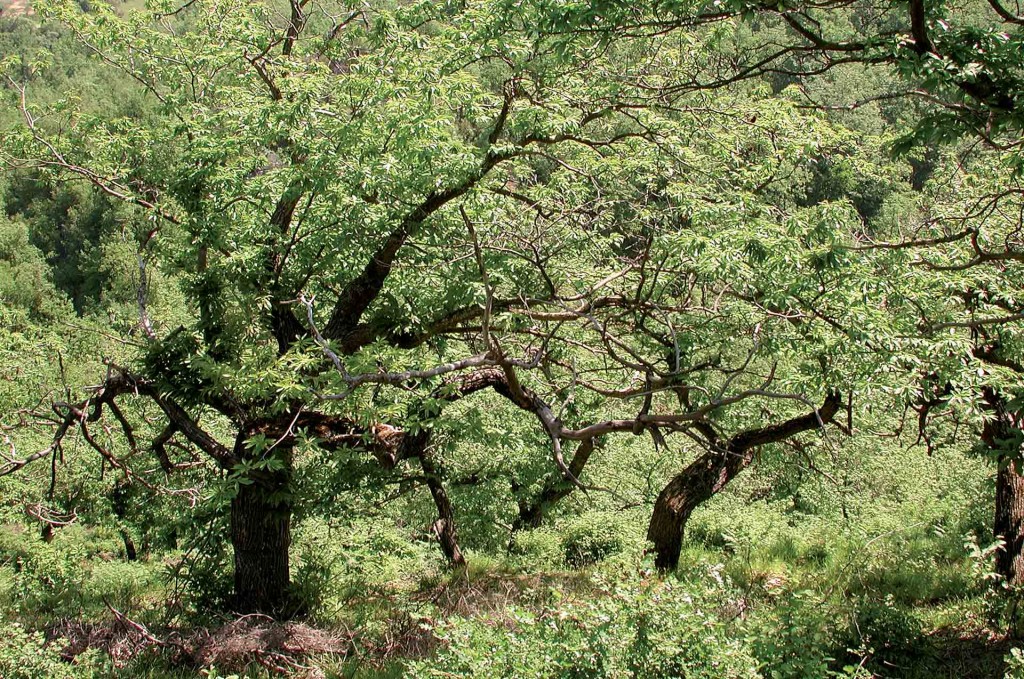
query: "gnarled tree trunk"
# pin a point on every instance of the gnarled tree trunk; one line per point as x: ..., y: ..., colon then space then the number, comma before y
x: 417, y: 446
x: 684, y: 493
x: 1009, y: 521
x: 444, y: 527
x: 711, y: 472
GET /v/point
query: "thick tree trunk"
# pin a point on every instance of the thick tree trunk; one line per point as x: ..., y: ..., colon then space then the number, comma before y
x: 261, y: 517
x: 999, y: 436
x: 260, y: 536
x: 683, y: 494
x: 1009, y: 522
x: 531, y: 514
x: 711, y: 472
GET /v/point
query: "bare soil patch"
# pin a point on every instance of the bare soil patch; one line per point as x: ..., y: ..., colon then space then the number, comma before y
x: 282, y: 647
x: 13, y: 8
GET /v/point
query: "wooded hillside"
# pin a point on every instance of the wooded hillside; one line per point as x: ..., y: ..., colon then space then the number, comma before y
x: 511, y: 338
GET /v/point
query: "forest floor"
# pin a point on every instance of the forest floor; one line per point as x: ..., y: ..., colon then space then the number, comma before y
x: 260, y: 648
x: 763, y: 589
x: 15, y: 8
x: 442, y: 625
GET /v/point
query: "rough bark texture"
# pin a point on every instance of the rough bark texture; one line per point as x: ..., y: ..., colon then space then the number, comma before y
x: 683, y: 494
x: 1009, y: 522
x: 261, y: 516
x: 260, y: 536
x: 998, y: 435
x: 711, y: 472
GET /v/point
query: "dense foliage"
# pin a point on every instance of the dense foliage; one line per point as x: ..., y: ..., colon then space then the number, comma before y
x: 500, y: 338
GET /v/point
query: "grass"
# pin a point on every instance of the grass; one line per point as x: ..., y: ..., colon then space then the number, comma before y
x: 918, y: 614
x: 899, y: 590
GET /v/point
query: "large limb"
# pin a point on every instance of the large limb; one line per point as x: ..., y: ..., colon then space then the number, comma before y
x: 418, y: 445
x: 362, y: 290
x: 120, y: 382
x: 503, y: 380
x: 444, y: 527
x: 357, y: 296
x: 285, y: 326
x: 712, y: 471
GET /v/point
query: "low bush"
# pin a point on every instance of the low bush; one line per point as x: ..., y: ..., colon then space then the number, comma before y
x: 656, y: 630
x: 27, y: 655
x: 593, y: 537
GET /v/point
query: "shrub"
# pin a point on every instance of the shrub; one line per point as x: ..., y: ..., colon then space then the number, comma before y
x: 794, y: 639
x: 312, y: 579
x: 537, y: 549
x: 892, y: 635
x: 26, y: 655
x: 1014, y: 662
x: 593, y: 537
x: 643, y: 631
x: 48, y: 577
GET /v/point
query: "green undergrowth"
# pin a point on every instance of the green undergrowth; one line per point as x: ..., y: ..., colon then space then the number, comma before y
x: 792, y: 586
x: 912, y: 605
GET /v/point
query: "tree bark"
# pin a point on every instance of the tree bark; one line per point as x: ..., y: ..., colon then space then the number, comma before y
x: 1000, y: 434
x: 711, y: 472
x: 130, y: 552
x: 417, y: 446
x: 684, y: 493
x: 261, y: 516
x: 1009, y: 521
x: 261, y: 536
x: 444, y: 527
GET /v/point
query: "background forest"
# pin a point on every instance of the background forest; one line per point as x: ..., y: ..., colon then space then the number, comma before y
x: 511, y: 338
